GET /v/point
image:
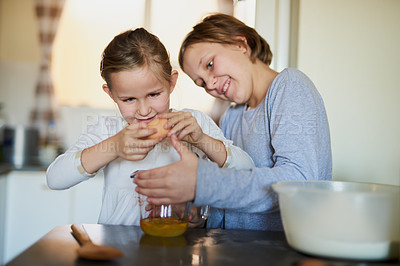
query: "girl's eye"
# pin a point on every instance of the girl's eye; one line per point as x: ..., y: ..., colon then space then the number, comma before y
x: 154, y: 94
x: 210, y: 64
x: 128, y: 100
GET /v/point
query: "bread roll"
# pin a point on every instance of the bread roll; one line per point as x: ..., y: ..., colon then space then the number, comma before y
x: 158, y: 123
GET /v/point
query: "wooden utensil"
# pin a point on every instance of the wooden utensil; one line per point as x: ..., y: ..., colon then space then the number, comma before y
x: 88, y: 250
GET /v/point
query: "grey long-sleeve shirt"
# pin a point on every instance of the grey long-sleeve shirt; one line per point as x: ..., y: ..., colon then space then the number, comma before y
x: 287, y: 136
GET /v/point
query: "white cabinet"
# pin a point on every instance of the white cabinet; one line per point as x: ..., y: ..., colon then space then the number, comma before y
x: 2, y: 214
x: 32, y: 209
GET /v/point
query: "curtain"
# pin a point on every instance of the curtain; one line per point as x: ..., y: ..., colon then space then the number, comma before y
x: 44, y: 114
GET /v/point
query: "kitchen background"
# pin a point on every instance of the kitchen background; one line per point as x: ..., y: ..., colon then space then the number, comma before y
x: 349, y: 48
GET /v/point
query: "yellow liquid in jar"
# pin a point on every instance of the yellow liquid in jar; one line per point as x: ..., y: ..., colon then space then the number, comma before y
x: 166, y: 227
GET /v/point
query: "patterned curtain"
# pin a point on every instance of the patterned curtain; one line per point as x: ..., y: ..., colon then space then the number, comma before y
x: 44, y: 114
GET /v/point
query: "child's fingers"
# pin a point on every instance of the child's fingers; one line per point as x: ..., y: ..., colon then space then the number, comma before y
x: 179, y: 146
x: 189, y: 130
x: 136, y: 149
x: 176, y: 117
x: 189, y: 124
x: 139, y: 133
x: 136, y: 125
x: 137, y: 145
x: 178, y: 127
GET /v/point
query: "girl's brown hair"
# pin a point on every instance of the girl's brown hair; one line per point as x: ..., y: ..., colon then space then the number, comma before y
x: 132, y: 49
x: 222, y: 28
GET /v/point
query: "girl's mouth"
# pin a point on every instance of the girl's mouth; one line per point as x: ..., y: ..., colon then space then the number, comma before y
x: 146, y: 120
x: 226, y: 86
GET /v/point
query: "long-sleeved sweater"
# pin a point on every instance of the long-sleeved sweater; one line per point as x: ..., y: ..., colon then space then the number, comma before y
x: 287, y: 135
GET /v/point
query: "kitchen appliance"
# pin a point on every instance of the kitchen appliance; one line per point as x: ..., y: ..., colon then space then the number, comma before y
x: 20, y: 146
x: 337, y: 219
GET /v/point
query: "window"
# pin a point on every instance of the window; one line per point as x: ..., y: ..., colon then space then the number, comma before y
x: 86, y: 27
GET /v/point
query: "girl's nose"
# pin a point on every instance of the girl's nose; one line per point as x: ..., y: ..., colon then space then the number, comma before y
x: 211, y: 83
x: 144, y: 109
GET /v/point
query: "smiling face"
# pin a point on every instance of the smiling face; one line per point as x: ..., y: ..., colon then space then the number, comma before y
x: 139, y: 94
x: 224, y: 71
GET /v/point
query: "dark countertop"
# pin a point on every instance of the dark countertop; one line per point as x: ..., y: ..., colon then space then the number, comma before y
x: 5, y: 168
x: 195, y: 247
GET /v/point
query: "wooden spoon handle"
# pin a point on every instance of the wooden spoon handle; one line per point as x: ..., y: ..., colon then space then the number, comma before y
x: 80, y: 233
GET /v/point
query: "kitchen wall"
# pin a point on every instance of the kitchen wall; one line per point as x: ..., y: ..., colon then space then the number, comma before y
x: 19, y: 58
x: 350, y: 49
x: 347, y: 47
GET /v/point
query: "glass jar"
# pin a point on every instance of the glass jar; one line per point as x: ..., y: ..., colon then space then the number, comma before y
x: 168, y: 220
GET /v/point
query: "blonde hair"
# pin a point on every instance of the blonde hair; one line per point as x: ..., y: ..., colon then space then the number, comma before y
x: 133, y: 49
x: 222, y: 28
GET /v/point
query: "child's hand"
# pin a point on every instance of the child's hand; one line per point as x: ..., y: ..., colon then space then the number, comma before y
x: 132, y: 143
x: 184, y: 125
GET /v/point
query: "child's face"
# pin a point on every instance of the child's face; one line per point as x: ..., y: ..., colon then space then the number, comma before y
x: 224, y: 71
x: 140, y: 96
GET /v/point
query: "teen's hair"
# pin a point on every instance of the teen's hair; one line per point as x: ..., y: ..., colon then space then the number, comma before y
x: 133, y: 49
x: 222, y: 29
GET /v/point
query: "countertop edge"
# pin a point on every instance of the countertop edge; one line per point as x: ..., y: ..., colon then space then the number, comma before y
x: 6, y: 168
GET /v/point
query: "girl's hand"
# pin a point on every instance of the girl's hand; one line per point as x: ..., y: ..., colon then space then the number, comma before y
x: 173, y: 183
x: 184, y: 126
x: 132, y: 143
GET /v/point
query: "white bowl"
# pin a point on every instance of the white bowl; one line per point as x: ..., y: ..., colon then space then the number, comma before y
x: 341, y: 219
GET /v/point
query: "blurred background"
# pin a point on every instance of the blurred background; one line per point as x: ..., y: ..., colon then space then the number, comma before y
x: 349, y: 48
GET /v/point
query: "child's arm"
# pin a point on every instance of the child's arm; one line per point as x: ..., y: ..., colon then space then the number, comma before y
x: 186, y: 127
x: 98, y: 146
x: 128, y: 144
x: 236, y: 157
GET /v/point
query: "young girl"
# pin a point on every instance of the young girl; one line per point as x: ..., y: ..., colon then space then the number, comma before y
x: 278, y: 118
x: 139, y: 79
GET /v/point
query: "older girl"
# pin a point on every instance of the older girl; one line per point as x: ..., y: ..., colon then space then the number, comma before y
x: 279, y: 119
